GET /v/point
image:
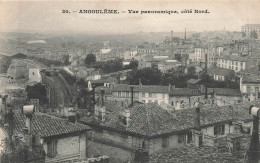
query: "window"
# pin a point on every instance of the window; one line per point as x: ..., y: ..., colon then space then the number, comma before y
x: 181, y: 138
x: 143, y: 94
x: 52, y: 148
x: 119, y: 94
x: 150, y: 95
x: 219, y: 130
x: 165, y: 141
x: 248, y: 89
x: 127, y: 94
x: 143, y: 101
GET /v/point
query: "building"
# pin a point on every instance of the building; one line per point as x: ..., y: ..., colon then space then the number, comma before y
x: 221, y: 74
x: 125, y: 132
x: 167, y: 65
x: 248, y: 28
x: 35, y: 75
x: 141, y: 93
x: 232, y: 62
x: 61, y: 140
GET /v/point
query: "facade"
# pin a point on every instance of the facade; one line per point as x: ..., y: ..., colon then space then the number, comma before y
x: 248, y: 28
x: 232, y: 62
x: 61, y: 140
x: 221, y: 74
x: 150, y: 129
x: 35, y: 75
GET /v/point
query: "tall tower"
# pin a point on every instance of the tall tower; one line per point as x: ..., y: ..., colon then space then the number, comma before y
x: 171, y: 44
x: 185, y: 34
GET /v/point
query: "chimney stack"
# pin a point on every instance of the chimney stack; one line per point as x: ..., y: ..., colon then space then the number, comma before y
x: 28, y: 111
x: 197, y: 131
x: 256, y: 92
x: 102, y: 97
x: 127, y: 117
x: 132, y: 95
x: 171, y: 44
x: 253, y: 153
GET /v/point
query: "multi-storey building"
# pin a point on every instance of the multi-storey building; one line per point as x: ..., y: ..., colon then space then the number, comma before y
x: 248, y: 28
x: 232, y: 62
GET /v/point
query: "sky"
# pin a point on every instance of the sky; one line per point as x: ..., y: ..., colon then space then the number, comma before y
x: 43, y: 16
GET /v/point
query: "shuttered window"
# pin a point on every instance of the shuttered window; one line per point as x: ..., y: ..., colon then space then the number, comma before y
x: 52, y: 148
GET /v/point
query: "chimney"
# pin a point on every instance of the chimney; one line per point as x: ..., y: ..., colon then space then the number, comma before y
x: 197, y: 131
x: 171, y: 44
x: 28, y: 111
x: 253, y: 153
x: 169, y: 87
x: 72, y: 115
x: 256, y: 92
x: 127, y: 117
x: 132, y: 95
x: 202, y: 87
x: 140, y: 82
x: 102, y: 114
x: 102, y: 97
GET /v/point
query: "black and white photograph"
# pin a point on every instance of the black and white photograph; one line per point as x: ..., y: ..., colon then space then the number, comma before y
x: 148, y: 81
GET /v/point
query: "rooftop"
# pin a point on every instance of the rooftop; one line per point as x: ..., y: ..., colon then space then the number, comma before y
x: 47, y: 125
x: 223, y: 91
x: 190, y: 153
x: 151, y: 120
x: 220, y: 71
x: 233, y: 58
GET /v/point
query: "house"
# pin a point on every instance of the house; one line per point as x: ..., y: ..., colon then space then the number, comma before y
x: 166, y: 65
x: 125, y: 133
x: 94, y: 75
x: 181, y: 98
x: 141, y: 93
x: 62, y: 141
x: 223, y: 96
x: 35, y: 75
x: 193, y: 83
x: 221, y: 74
x: 232, y: 62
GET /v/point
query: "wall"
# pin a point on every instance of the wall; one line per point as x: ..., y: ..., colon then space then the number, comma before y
x: 68, y: 148
x: 34, y: 75
x: 188, y: 101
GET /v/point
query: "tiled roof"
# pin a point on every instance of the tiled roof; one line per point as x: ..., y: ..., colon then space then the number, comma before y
x: 185, y: 92
x: 151, y: 120
x: 219, y: 71
x: 141, y: 88
x: 251, y: 79
x: 190, y: 153
x: 47, y: 125
x: 223, y: 91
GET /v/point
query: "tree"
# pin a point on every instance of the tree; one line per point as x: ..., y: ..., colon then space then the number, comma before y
x: 133, y: 65
x: 37, y: 91
x: 148, y: 76
x: 253, y: 34
x: 91, y: 58
x: 191, y: 70
x: 243, y: 34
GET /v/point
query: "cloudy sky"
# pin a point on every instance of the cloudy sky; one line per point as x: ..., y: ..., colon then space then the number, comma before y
x: 38, y: 16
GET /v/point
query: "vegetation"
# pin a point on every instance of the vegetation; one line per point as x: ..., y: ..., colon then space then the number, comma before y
x: 253, y: 34
x: 90, y: 59
x: 148, y: 76
x: 37, y: 91
x: 19, y: 56
x: 191, y: 70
